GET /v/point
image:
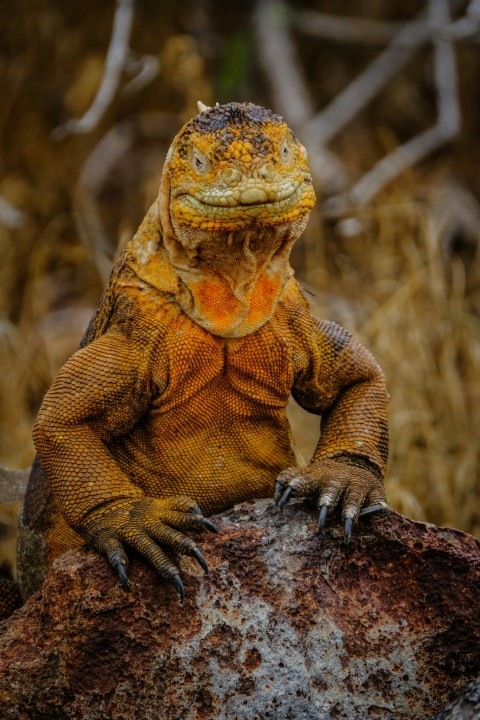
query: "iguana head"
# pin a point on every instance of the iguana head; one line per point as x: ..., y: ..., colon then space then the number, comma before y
x: 236, y: 193
x: 236, y: 165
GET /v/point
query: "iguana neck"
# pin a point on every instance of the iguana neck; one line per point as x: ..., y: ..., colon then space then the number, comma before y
x: 228, y: 283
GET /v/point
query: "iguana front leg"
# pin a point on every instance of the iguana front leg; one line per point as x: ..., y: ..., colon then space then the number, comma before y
x: 343, y: 383
x: 100, y: 394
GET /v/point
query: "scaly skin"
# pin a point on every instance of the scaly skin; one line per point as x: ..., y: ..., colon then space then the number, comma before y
x: 177, y: 396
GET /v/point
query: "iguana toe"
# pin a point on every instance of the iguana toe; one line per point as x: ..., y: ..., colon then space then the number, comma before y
x: 120, y: 567
x: 152, y: 528
x: 208, y: 525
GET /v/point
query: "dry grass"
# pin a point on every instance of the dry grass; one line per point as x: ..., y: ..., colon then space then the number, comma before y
x: 394, y: 286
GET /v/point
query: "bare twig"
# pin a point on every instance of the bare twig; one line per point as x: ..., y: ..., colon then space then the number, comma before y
x: 347, y: 29
x: 468, y: 25
x: 445, y: 129
x: 456, y: 218
x: 280, y: 62
x: 143, y: 69
x: 116, y: 59
x: 290, y: 94
x: 360, y: 30
x: 10, y: 216
x: 368, y: 84
x: 107, y: 153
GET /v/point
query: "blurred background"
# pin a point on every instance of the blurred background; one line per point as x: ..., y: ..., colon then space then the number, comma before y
x: 386, y: 98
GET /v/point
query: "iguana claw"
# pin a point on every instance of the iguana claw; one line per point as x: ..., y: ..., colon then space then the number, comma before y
x: 334, y: 483
x: 348, y: 529
x: 209, y: 525
x: 285, y: 497
x: 200, y: 559
x: 177, y: 581
x: 119, y: 566
x: 374, y: 508
x: 278, y: 492
x: 322, y: 518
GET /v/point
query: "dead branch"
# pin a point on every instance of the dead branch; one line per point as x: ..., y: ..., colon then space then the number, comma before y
x: 348, y: 103
x: 114, y: 64
x: 143, y: 70
x: 347, y: 29
x: 106, y: 154
x: 446, y: 127
x: 119, y: 58
x: 280, y: 61
x: 10, y: 216
x: 281, y: 66
x: 360, y: 30
x: 468, y: 25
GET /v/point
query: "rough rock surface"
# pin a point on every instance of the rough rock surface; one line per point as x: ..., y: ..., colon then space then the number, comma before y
x: 287, y: 625
x: 466, y: 707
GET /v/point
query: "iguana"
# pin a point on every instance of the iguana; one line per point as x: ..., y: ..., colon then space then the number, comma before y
x: 176, y: 399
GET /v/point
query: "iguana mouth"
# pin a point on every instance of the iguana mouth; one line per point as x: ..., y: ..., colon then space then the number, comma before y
x: 240, y: 204
x: 251, y: 194
x: 223, y: 211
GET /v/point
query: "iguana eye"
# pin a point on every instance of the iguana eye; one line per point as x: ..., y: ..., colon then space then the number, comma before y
x: 199, y: 162
x: 286, y: 152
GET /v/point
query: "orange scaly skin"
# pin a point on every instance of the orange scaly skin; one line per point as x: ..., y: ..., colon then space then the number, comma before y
x: 177, y: 396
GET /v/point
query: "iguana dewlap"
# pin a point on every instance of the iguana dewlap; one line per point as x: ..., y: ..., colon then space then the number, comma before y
x: 177, y: 396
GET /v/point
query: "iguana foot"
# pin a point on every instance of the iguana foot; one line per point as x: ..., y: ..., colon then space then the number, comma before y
x: 150, y: 526
x: 357, y: 489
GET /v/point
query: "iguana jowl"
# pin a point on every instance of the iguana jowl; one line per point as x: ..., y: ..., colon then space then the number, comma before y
x: 176, y: 399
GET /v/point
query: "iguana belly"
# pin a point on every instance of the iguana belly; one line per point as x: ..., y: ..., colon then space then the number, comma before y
x: 222, y: 460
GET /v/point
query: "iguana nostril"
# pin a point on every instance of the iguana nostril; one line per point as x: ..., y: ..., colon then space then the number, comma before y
x: 230, y: 176
x: 267, y: 171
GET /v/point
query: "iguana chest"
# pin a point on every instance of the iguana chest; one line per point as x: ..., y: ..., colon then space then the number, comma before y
x: 253, y: 374
x: 216, y: 429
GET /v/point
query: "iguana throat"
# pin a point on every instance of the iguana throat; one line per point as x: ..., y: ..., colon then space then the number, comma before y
x: 228, y: 283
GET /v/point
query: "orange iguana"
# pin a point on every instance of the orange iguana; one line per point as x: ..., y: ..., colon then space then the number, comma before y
x: 176, y: 399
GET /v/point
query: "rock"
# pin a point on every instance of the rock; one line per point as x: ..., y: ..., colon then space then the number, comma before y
x: 466, y: 707
x: 288, y: 624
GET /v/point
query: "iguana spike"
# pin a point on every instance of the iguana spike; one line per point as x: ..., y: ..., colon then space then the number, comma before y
x: 202, y: 107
